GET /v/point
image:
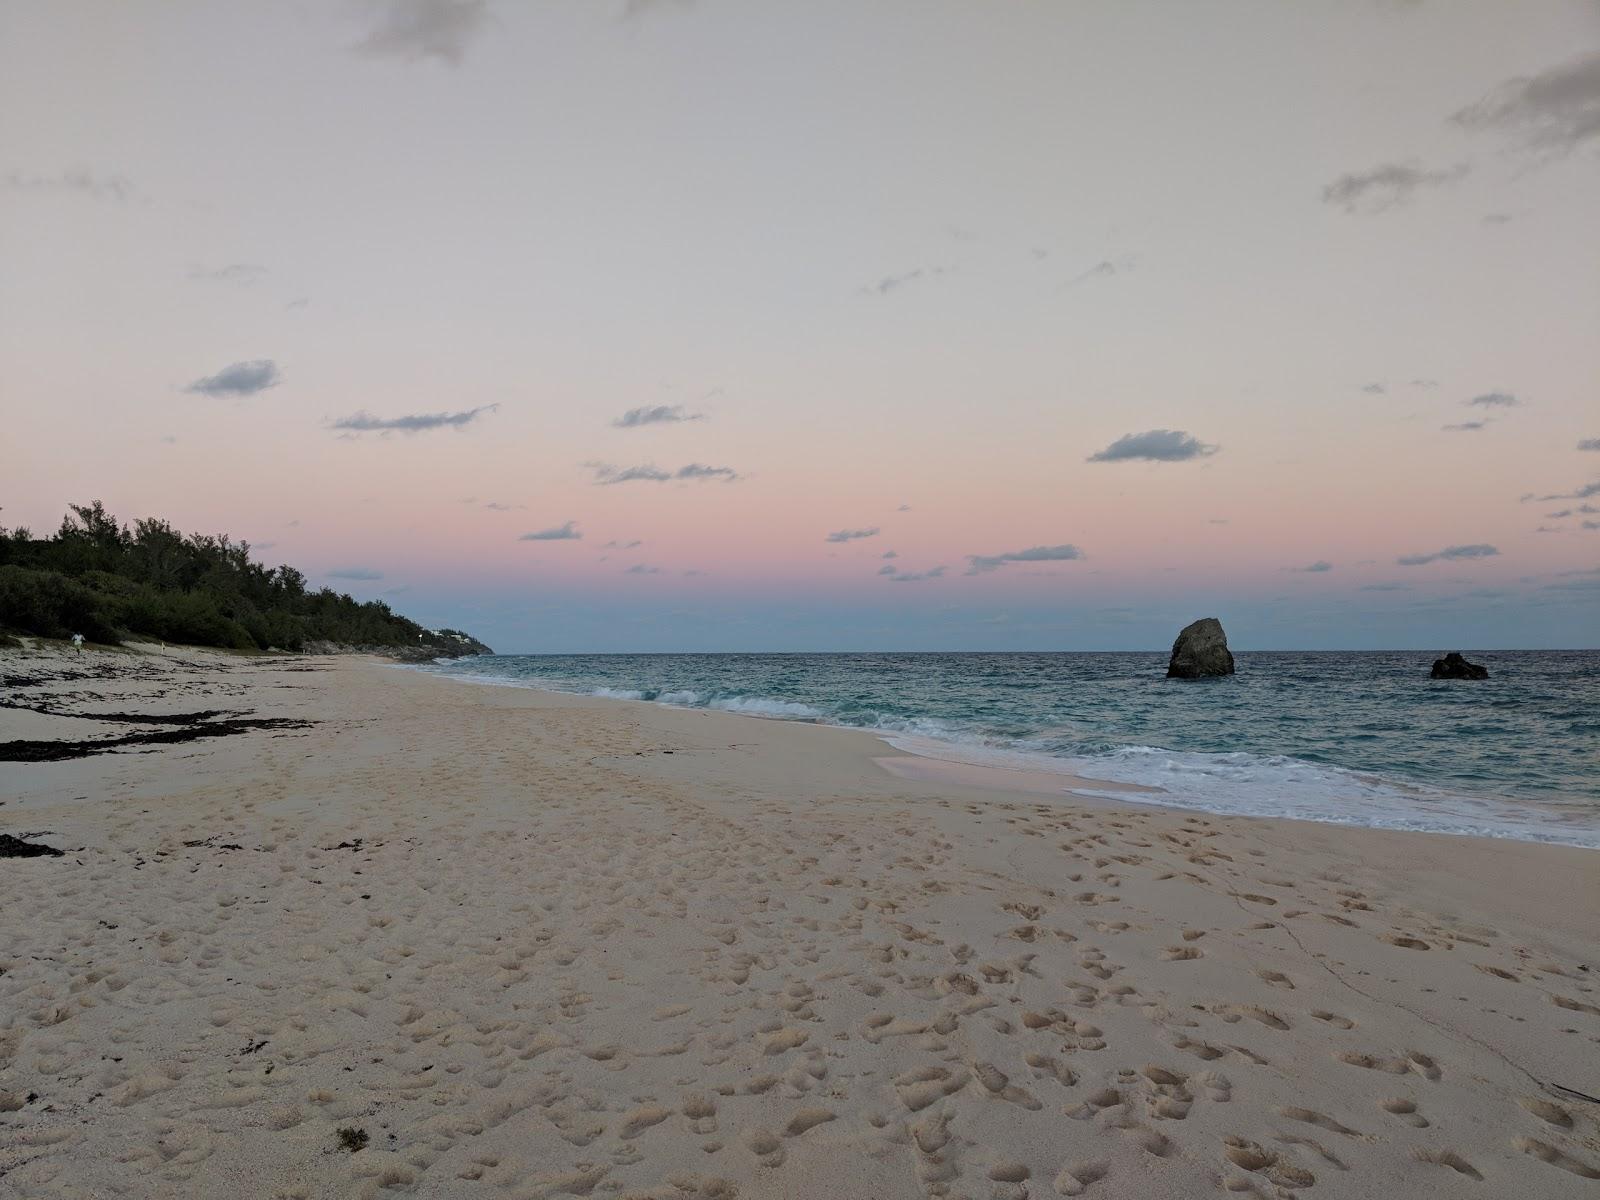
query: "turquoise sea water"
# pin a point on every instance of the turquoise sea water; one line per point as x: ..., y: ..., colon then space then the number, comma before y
x: 1355, y: 738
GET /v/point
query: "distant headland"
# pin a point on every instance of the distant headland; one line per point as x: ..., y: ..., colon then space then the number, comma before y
x: 109, y: 582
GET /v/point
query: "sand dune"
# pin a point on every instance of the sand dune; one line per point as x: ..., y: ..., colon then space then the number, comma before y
x: 543, y: 946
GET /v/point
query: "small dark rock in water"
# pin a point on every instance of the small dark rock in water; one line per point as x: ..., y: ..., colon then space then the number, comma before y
x: 1453, y: 666
x: 15, y: 847
x: 1201, y: 651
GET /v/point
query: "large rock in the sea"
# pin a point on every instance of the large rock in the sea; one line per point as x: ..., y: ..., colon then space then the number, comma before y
x: 1453, y: 666
x: 1200, y: 652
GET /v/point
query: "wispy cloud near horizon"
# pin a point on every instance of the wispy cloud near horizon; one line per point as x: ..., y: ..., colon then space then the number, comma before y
x: 894, y: 575
x: 1387, y: 185
x: 852, y: 535
x: 656, y: 414
x: 981, y: 563
x: 413, y: 30
x: 605, y: 474
x: 239, y: 379
x: 1155, y: 445
x: 567, y: 532
x: 1448, y: 554
x: 1555, y: 111
x: 365, y: 422
x: 117, y: 188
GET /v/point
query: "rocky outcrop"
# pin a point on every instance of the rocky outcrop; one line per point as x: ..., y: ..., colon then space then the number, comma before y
x: 1200, y: 652
x: 1453, y: 666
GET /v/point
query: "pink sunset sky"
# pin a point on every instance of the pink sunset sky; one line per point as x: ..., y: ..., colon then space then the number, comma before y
x: 1087, y: 319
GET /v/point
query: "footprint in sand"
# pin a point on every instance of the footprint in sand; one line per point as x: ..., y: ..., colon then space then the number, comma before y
x: 1320, y: 1120
x: 1552, y: 1114
x: 1076, y: 1179
x: 1448, y: 1158
x: 1406, y: 1110
x: 1253, y: 1157
x: 1545, y: 1152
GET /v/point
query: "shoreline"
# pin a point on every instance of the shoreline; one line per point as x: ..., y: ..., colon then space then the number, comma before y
x: 1040, y: 773
x: 538, y: 944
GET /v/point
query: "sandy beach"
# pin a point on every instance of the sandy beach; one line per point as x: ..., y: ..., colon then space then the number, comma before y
x: 523, y: 944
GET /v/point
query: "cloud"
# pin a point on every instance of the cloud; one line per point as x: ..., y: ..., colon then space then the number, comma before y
x: 642, y: 569
x: 1448, y: 554
x: 890, y: 282
x: 567, y: 532
x: 1555, y: 111
x: 1374, y: 389
x: 495, y: 506
x: 417, y: 29
x: 243, y: 274
x: 1464, y: 426
x: 1424, y: 383
x: 1589, y: 444
x: 979, y: 563
x: 904, y: 508
x: 239, y: 379
x: 622, y: 545
x: 890, y: 554
x: 365, y: 422
x: 1155, y: 445
x: 658, y: 414
x: 893, y: 283
x: 1104, y: 269
x: 703, y: 472
x: 361, y: 573
x: 1493, y: 400
x: 894, y: 576
x: 117, y: 188
x: 1316, y: 568
x: 1581, y: 493
x: 851, y: 535
x: 1387, y: 185
x: 606, y: 474
x: 1386, y: 587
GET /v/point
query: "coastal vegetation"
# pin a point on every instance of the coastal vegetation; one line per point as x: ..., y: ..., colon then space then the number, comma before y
x: 108, y: 581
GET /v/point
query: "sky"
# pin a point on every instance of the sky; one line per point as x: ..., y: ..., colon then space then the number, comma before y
x: 663, y: 325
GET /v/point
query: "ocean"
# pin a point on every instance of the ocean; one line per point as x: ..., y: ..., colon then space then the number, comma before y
x: 1361, y: 738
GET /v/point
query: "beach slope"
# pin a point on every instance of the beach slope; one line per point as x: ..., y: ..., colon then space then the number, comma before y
x: 323, y: 927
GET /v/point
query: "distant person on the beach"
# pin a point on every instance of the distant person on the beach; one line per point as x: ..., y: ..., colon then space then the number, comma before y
x: 77, y: 642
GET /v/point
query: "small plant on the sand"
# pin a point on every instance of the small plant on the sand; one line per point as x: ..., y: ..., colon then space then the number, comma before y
x: 353, y: 1139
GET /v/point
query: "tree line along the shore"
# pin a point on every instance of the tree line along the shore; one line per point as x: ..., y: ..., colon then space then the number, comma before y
x: 109, y: 582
